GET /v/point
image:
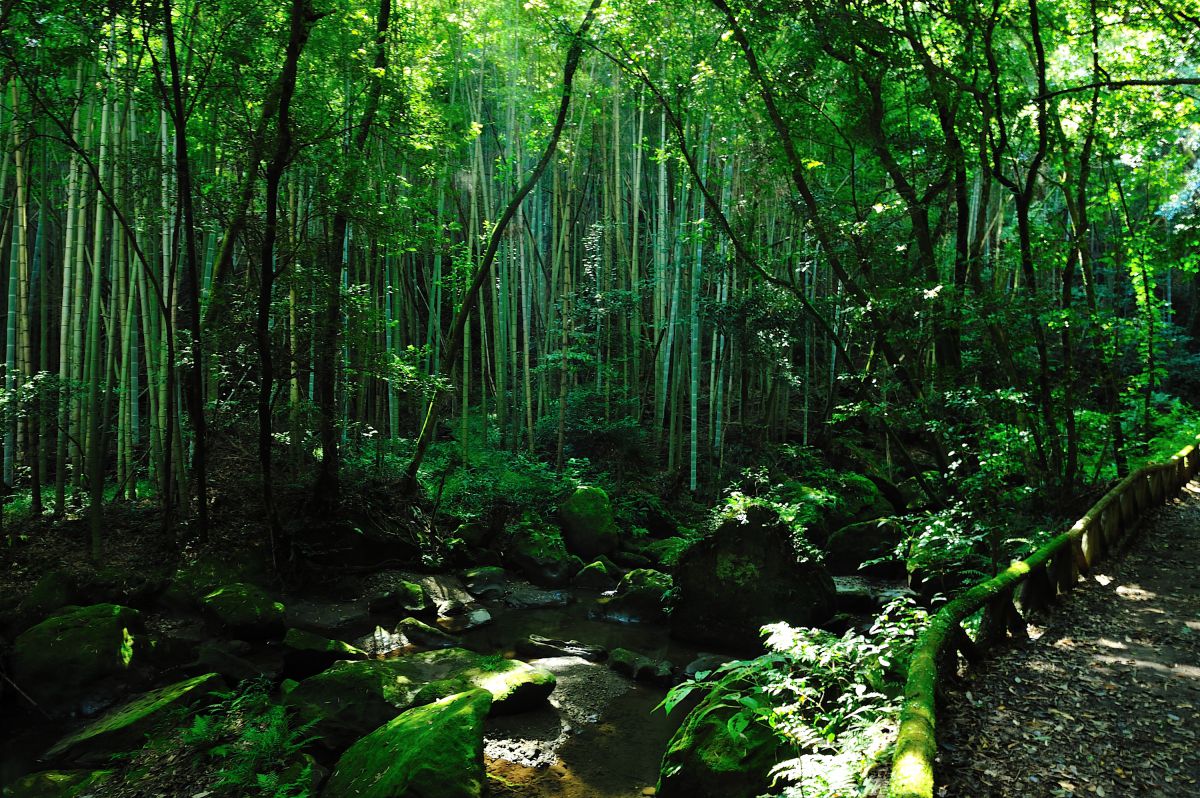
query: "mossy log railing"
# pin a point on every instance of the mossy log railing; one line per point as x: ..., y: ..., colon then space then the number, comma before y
x: 1032, y: 583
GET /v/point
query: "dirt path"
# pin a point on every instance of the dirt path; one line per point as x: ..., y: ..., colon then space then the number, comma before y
x: 1104, y: 699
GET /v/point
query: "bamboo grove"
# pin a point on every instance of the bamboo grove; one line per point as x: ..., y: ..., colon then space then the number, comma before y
x: 653, y: 233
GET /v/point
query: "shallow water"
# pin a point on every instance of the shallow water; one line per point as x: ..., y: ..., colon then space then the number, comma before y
x: 601, y: 735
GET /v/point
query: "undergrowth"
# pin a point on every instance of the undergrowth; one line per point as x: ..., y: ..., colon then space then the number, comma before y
x: 252, y: 743
x: 834, y: 701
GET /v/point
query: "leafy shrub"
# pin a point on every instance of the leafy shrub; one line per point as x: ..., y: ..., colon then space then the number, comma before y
x: 494, y: 485
x: 833, y: 700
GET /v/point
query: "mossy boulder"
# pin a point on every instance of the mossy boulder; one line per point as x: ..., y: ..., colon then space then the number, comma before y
x: 351, y: 698
x: 515, y: 686
x: 244, y: 610
x: 745, y: 575
x: 307, y: 653
x: 589, y: 529
x: 422, y: 635
x: 706, y: 759
x: 57, y: 784
x: 433, y: 751
x: 597, y: 575
x: 194, y: 580
x: 641, y: 597
x: 539, y: 554
x: 855, y: 544
x: 59, y: 661
x: 125, y: 728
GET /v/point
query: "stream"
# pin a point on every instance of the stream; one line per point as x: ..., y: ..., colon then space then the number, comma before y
x: 598, y: 736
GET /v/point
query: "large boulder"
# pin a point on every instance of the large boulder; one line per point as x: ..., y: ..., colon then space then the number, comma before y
x: 587, y: 523
x: 57, y: 784
x: 125, y: 728
x: 433, y: 751
x: 852, y: 545
x: 244, y: 610
x: 714, y: 755
x: 63, y: 659
x: 352, y: 698
x: 746, y: 575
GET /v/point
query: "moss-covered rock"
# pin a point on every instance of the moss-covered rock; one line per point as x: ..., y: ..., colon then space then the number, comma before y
x: 307, y: 653
x: 539, y: 554
x: 705, y: 759
x: 641, y: 597
x: 855, y: 544
x: 194, y: 580
x: 640, y: 667
x: 245, y: 610
x: 422, y: 635
x: 57, y: 784
x: 515, y: 686
x: 434, y: 751
x: 125, y: 728
x: 597, y: 575
x: 745, y: 575
x: 351, y: 698
x: 58, y: 661
x: 587, y: 522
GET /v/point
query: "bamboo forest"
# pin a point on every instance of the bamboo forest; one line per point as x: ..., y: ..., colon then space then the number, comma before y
x: 599, y: 398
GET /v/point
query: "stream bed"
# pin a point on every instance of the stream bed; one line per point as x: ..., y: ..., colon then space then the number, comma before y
x: 600, y: 735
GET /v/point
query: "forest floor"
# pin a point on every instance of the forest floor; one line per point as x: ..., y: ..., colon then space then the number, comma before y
x: 1104, y: 700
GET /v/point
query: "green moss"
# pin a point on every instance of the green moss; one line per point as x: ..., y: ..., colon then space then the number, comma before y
x: 434, y: 750
x: 57, y: 784
x: 59, y: 659
x: 588, y: 524
x: 513, y: 685
x: 300, y: 640
x: 245, y: 609
x: 707, y: 759
x: 735, y: 569
x: 124, y: 728
x: 352, y: 698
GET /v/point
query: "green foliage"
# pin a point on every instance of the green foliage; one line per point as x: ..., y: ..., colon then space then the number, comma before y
x: 833, y: 700
x: 253, y: 743
x: 797, y: 516
x: 603, y: 430
x: 494, y: 485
